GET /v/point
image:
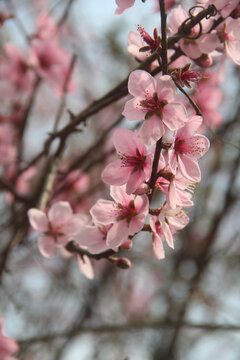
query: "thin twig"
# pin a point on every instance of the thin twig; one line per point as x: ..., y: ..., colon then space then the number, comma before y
x: 135, y: 326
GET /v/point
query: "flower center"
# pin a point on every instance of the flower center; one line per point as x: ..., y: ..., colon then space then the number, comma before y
x: 136, y: 162
x: 180, y: 146
x: 126, y: 212
x: 45, y: 60
x: 153, y: 105
x: 54, y: 231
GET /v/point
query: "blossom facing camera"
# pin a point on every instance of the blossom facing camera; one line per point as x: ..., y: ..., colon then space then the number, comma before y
x: 58, y: 226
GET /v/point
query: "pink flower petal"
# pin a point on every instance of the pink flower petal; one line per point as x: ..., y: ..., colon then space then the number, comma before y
x: 168, y: 235
x: 196, y: 146
x: 93, y: 238
x: 208, y: 42
x: 140, y: 83
x: 189, y: 168
x: 104, y: 212
x: 115, y: 174
x: 60, y: 213
x: 118, y: 193
x: 117, y: 235
x: 174, y: 116
x: 172, y: 198
x: 127, y: 141
x: 152, y: 130
x: 233, y: 50
x: 158, y: 247
x: 166, y: 88
x: 85, y: 266
x: 133, y: 111
x: 190, y: 127
x: 47, y: 246
x: 38, y: 220
x: 73, y: 225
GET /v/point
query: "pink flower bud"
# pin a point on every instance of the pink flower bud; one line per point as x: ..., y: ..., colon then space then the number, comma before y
x: 204, y: 60
x: 126, y: 245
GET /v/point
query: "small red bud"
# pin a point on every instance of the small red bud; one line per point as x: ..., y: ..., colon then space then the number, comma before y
x: 126, y: 245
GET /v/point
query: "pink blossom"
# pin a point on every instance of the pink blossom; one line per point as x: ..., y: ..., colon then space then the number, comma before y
x: 123, y: 5
x: 85, y: 266
x: 164, y: 226
x: 177, y: 190
x: 152, y: 44
x: 73, y: 186
x: 187, y: 148
x: 184, y: 76
x: 22, y: 183
x: 8, y: 151
x: 51, y: 62
x: 127, y: 215
x: 205, y: 44
x: 231, y: 37
x: 135, y: 42
x: 134, y: 164
x: 209, y: 98
x: 45, y: 27
x: 7, y: 345
x: 58, y: 226
x: 15, y: 72
x: 156, y: 101
x: 93, y: 237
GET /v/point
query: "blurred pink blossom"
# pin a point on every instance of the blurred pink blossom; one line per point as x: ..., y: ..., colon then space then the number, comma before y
x: 123, y: 5
x: 7, y: 345
x: 58, y: 226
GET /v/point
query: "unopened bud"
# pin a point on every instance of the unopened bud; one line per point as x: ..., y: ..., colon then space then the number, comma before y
x: 122, y: 263
x: 204, y: 60
x: 126, y: 245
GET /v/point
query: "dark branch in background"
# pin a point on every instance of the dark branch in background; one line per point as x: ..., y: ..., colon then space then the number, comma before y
x: 203, y: 258
x: 64, y: 91
x: 65, y: 14
x: 134, y: 326
x: 74, y: 248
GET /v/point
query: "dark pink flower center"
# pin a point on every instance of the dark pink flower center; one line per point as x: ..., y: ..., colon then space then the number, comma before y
x: 152, y: 42
x: 136, y: 162
x: 191, y: 76
x: 45, y: 60
x: 153, y: 105
x: 227, y: 37
x: 126, y: 212
x: 180, y: 146
x: 22, y: 67
x: 158, y: 227
x: 54, y: 231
